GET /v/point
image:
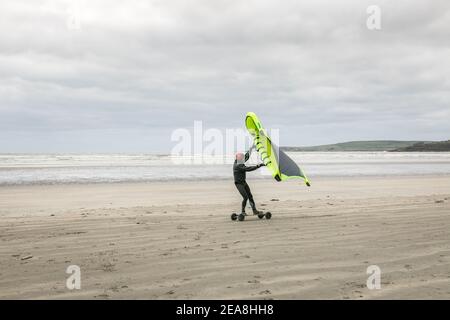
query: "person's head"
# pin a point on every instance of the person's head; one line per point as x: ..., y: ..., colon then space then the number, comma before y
x: 240, y: 157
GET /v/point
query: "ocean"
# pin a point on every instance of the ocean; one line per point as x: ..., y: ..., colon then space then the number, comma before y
x: 25, y: 169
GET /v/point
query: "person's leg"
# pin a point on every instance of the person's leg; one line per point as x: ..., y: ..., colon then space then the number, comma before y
x: 250, y: 198
x: 243, y: 192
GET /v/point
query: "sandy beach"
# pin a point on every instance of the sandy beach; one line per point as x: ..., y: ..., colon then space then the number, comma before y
x: 175, y: 240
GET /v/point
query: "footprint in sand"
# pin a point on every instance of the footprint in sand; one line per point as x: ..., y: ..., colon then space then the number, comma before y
x: 265, y: 292
x: 253, y: 281
x: 108, y: 267
x: 114, y: 288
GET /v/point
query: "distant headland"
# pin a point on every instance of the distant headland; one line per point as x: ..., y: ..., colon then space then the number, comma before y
x: 379, y: 145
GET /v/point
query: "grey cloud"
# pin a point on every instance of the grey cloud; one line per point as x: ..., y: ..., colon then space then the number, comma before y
x: 141, y: 69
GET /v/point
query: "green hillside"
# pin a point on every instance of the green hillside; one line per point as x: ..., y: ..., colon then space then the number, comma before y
x: 440, y: 146
x: 381, y: 145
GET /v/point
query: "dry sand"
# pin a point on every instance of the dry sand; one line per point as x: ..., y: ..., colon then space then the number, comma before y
x: 176, y: 240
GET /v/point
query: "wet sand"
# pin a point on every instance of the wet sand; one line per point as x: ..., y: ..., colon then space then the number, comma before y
x: 175, y: 240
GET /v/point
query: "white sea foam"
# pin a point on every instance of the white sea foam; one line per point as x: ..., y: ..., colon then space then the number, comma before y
x: 18, y: 169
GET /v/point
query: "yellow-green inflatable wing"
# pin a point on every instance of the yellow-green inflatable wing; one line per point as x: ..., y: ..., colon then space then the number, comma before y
x: 280, y: 165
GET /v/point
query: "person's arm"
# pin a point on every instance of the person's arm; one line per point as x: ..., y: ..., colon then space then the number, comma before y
x: 250, y: 168
x: 249, y: 152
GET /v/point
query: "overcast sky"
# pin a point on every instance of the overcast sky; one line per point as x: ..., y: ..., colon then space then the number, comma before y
x: 120, y: 76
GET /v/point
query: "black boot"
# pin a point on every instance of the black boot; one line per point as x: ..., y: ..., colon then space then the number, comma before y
x: 255, y: 212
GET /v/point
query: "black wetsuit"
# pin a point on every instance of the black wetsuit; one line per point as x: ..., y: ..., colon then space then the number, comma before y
x: 239, y: 172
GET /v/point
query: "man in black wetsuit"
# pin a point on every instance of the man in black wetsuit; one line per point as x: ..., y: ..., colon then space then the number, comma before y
x: 239, y: 172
